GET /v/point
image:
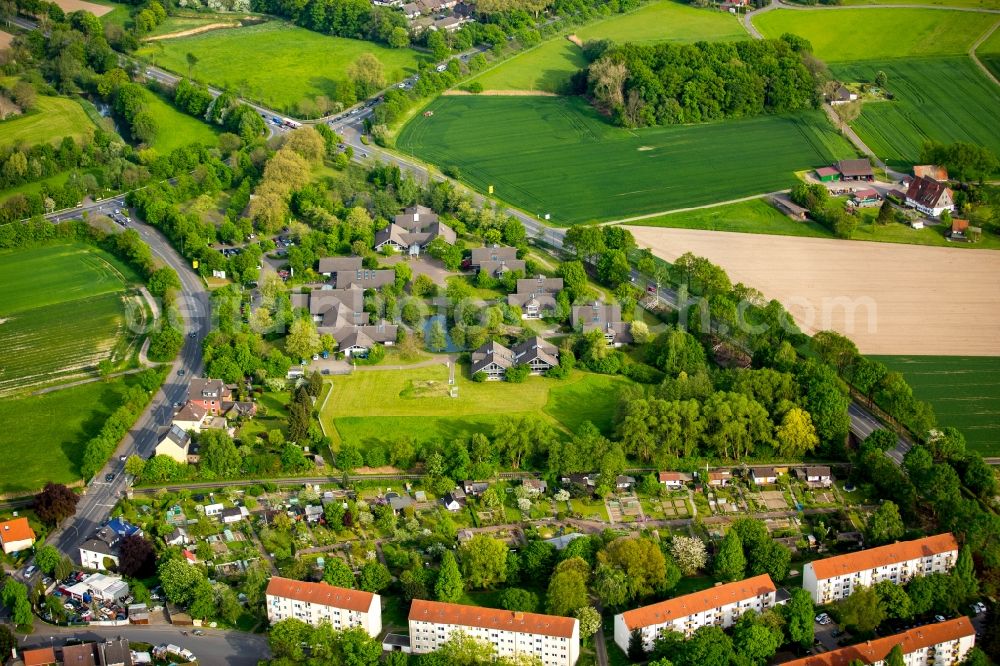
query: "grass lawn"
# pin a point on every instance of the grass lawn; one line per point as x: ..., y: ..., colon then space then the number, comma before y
x: 296, y: 64
x: 51, y: 120
x: 46, y: 434
x: 382, y: 405
x: 55, y: 180
x: 558, y: 156
x: 756, y: 216
x: 964, y: 110
x: 177, y: 129
x: 62, y: 310
x: 964, y: 391
x: 872, y: 34
x: 974, y: 4
x: 549, y: 66
x: 989, y: 52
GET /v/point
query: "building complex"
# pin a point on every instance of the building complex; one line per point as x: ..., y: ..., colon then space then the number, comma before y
x: 314, y: 603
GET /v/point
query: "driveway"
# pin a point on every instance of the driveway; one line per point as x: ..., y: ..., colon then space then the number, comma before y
x: 421, y: 265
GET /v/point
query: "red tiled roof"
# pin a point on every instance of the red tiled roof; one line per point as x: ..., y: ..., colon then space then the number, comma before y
x: 822, y: 172
x: 959, y: 225
x: 320, y: 593
x: 39, y: 657
x: 926, y: 191
x: 878, y: 649
x: 16, y: 530
x: 689, y: 604
x: 931, y: 171
x: 884, y: 555
x: 866, y: 194
x: 491, y: 618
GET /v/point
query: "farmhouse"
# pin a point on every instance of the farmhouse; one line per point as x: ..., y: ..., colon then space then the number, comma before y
x: 413, y: 230
x: 494, y: 359
x: 865, y: 198
x: 675, y: 480
x: 842, y: 96
x: 536, y: 296
x: 718, y: 606
x: 174, y: 444
x: 554, y: 640
x: 856, y: 170
x: 315, y: 603
x: 942, y: 644
x: 835, y: 578
x: 496, y: 260
x: 929, y: 196
x: 603, y: 317
x: 16, y: 535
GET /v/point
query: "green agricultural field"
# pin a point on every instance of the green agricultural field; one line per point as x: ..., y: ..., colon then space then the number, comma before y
x: 558, y: 156
x: 549, y: 66
x: 50, y: 120
x: 964, y: 391
x: 294, y: 64
x: 972, y: 4
x: 177, y: 129
x: 989, y: 52
x: 964, y: 110
x: 382, y: 405
x: 874, y: 34
x: 756, y: 216
x: 50, y: 432
x: 62, y: 309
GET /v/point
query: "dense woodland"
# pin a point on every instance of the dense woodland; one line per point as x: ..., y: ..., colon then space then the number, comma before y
x: 667, y: 84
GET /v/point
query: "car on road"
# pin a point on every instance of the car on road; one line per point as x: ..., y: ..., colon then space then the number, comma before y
x: 198, y: 632
x: 109, y: 477
x: 181, y: 372
x: 30, y: 571
x: 122, y: 458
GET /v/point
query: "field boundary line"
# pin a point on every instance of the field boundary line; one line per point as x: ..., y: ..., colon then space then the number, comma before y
x: 975, y: 58
x: 636, y: 218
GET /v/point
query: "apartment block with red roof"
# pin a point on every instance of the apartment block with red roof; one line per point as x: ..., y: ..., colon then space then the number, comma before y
x: 553, y: 639
x: 314, y: 603
x: 835, y: 578
x: 718, y: 606
x: 942, y: 644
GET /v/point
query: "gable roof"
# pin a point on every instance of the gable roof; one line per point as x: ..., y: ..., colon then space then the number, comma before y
x: 674, y: 476
x: 200, y: 389
x: 854, y: 168
x: 365, y: 278
x: 959, y: 225
x: 535, y: 348
x: 176, y: 435
x: 495, y: 253
x: 39, y: 657
x: 492, y: 618
x: 492, y: 352
x: 892, y: 553
x: 926, y: 191
x: 539, y: 285
x: 335, y: 264
x: 931, y: 171
x: 190, y: 412
x: 870, y: 652
x: 79, y: 655
x: 823, y: 172
x: 713, y: 597
x: 17, y: 529
x: 320, y: 593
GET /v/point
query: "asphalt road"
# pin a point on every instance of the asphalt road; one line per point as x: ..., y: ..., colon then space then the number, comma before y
x: 231, y: 648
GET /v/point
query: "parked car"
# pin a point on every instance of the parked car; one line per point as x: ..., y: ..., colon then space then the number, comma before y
x: 939, y: 618
x: 30, y: 571
x: 109, y: 477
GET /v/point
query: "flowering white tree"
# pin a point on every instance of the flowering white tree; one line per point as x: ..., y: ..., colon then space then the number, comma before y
x: 689, y: 553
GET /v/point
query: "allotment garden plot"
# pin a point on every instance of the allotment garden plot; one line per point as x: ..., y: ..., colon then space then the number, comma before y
x: 557, y: 156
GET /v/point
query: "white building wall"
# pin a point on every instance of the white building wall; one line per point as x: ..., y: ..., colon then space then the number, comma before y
x: 832, y: 589
x: 552, y: 650
x: 281, y: 608
x: 91, y: 560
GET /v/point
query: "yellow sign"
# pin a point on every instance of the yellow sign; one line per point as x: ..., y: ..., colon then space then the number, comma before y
x: 194, y: 264
x: 491, y: 189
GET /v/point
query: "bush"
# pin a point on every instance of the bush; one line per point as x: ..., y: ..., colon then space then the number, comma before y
x: 475, y: 87
x: 451, y: 171
x: 480, y: 376
x: 517, y: 374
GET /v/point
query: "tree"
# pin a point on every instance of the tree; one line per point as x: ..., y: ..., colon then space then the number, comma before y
x: 137, y: 558
x: 881, y: 79
x: 886, y: 213
x: 798, y: 614
x: 567, y: 592
x: 303, y: 339
x: 55, y: 503
x: 483, y: 561
x: 708, y: 646
x: 689, y: 553
x: 642, y: 562
x: 336, y: 572
x: 518, y: 599
x: 611, y: 586
x: 796, y: 435
x: 755, y: 640
x: 730, y: 563
x: 135, y: 466
x: 8, y: 641
x: 636, y: 649
x: 192, y: 62
x: 180, y: 580
x: 47, y: 557
x: 354, y: 647
x: 885, y: 524
x: 399, y: 38
x: 590, y: 621
x: 287, y: 637
x: 437, y: 45
x: 449, y: 585
x: 881, y: 439
x: 861, y: 611
x: 437, y: 339
x: 964, y: 585
x: 219, y: 453
x: 367, y: 74
x: 894, y: 600
x: 895, y: 657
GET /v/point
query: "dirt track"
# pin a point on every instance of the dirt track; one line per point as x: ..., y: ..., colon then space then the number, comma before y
x: 74, y: 5
x: 889, y: 298
x: 192, y: 31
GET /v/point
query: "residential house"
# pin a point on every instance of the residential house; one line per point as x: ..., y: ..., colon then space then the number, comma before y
x: 929, y: 196
x: 398, y: 503
x: 842, y: 96
x: 475, y: 488
x: 536, y: 296
x: 675, y: 480
x: 364, y: 278
x: 175, y: 444
x: 190, y: 417
x: 212, y: 510
x: 605, y: 317
x: 16, y: 535
x: 554, y: 640
x: 764, y: 476
x: 413, y: 230
x: 359, y: 340
x: 817, y: 475
x: 835, y: 578
x: 583, y: 481
x: 496, y: 260
x: 115, y: 652
x: 449, y: 23
x: 623, y: 482
x: 209, y: 394
x: 932, y: 171
x: 860, y: 169
x: 494, y: 359
x: 942, y: 644
x: 177, y: 537
x: 39, y: 657
x: 452, y: 502
x: 719, y: 478
x: 411, y: 10
x: 719, y: 606
x: 534, y: 487
x: 341, y: 313
x: 79, y: 655
x: 314, y: 603
x: 329, y: 266
x: 827, y: 174
x: 102, y: 548
x: 866, y: 198
x: 234, y: 515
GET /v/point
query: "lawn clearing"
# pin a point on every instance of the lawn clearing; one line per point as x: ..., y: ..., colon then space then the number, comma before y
x: 964, y: 391
x: 62, y: 311
x: 756, y: 216
x: 972, y: 4
x: 558, y: 156
x: 872, y: 34
x: 963, y: 110
x: 548, y: 66
x: 46, y: 434
x: 989, y: 52
x: 77, y: 5
x: 50, y: 120
x: 177, y: 129
x: 295, y: 64
x: 382, y: 405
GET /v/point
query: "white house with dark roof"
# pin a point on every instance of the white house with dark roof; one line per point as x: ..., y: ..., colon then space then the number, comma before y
x: 413, y: 230
x: 929, y: 196
x: 604, y: 317
x: 536, y: 296
x: 494, y: 358
x: 495, y: 260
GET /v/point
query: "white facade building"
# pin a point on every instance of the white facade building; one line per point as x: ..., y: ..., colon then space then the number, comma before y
x: 837, y: 577
x: 718, y: 606
x: 314, y: 603
x: 554, y: 640
x: 942, y: 644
